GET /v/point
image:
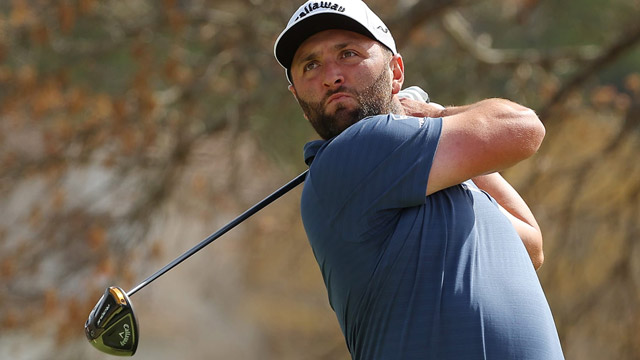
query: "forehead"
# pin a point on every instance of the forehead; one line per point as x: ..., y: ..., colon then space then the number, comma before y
x: 332, y: 38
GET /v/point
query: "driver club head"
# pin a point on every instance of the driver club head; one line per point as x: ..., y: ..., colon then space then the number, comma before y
x: 112, y: 327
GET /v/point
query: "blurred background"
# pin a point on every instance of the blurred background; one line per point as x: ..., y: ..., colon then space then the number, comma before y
x: 131, y: 130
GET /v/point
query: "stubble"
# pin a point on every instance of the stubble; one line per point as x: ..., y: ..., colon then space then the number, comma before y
x: 373, y: 100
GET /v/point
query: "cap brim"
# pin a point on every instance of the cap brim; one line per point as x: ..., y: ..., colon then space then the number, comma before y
x: 292, y: 39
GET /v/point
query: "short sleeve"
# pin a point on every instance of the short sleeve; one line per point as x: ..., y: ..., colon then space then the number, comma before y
x: 374, y: 169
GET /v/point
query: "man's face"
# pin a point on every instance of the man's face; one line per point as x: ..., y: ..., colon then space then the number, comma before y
x: 340, y: 77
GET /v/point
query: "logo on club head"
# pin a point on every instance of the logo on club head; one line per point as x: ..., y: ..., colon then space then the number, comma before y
x: 125, y: 334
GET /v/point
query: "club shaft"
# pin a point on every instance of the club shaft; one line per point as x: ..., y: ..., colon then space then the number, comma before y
x: 242, y: 217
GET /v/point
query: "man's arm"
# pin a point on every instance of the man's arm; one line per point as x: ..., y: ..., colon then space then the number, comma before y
x: 462, y: 139
x: 482, y: 138
x: 517, y: 211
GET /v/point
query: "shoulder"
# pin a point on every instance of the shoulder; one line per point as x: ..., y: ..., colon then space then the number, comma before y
x: 375, y: 138
x: 389, y: 127
x: 376, y: 147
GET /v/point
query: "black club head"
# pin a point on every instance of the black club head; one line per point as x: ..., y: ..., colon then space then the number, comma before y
x: 112, y: 327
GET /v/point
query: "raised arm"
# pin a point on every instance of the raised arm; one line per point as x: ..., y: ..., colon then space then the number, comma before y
x: 482, y: 138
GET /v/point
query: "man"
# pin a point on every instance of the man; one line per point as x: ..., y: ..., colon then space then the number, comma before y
x: 419, y: 261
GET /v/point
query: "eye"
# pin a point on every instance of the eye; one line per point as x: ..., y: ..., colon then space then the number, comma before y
x: 310, y: 66
x: 349, y: 53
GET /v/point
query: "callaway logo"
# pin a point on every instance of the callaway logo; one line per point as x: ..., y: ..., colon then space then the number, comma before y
x: 319, y: 5
x: 125, y: 334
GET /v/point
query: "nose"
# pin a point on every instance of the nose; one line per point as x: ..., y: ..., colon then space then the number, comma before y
x: 333, y: 76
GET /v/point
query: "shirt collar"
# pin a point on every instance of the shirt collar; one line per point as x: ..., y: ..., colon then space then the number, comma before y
x: 311, y: 149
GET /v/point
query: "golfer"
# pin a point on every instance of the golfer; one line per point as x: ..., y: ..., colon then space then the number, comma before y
x: 426, y: 251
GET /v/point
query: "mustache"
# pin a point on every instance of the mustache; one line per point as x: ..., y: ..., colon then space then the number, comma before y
x: 341, y: 89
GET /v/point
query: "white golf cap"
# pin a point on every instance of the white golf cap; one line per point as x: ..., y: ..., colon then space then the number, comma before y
x: 316, y: 16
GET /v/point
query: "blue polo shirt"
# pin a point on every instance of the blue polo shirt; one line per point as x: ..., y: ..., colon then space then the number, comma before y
x: 411, y: 276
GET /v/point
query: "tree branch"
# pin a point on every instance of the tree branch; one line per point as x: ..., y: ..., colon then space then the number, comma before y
x: 460, y: 30
x: 613, y: 52
x: 408, y: 20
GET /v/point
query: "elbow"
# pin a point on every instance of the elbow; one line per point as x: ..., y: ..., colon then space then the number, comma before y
x: 538, y: 260
x: 532, y: 239
x: 519, y: 130
x: 536, y: 253
x: 533, y: 133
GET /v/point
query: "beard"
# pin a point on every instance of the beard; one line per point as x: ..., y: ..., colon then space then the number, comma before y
x: 373, y: 100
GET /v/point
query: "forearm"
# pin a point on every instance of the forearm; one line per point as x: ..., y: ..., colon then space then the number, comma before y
x: 517, y: 212
x: 494, y: 107
x: 498, y: 131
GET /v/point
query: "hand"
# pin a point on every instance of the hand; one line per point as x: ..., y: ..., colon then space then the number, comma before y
x: 421, y: 108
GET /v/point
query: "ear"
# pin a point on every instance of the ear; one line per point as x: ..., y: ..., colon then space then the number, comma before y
x: 397, y: 68
x: 292, y: 89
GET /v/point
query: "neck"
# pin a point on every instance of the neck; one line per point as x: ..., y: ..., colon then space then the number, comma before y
x: 396, y: 106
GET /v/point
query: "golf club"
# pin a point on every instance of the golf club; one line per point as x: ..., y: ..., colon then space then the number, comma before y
x: 112, y: 326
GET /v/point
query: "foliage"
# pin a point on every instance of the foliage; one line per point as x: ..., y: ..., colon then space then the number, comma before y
x: 118, y: 116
